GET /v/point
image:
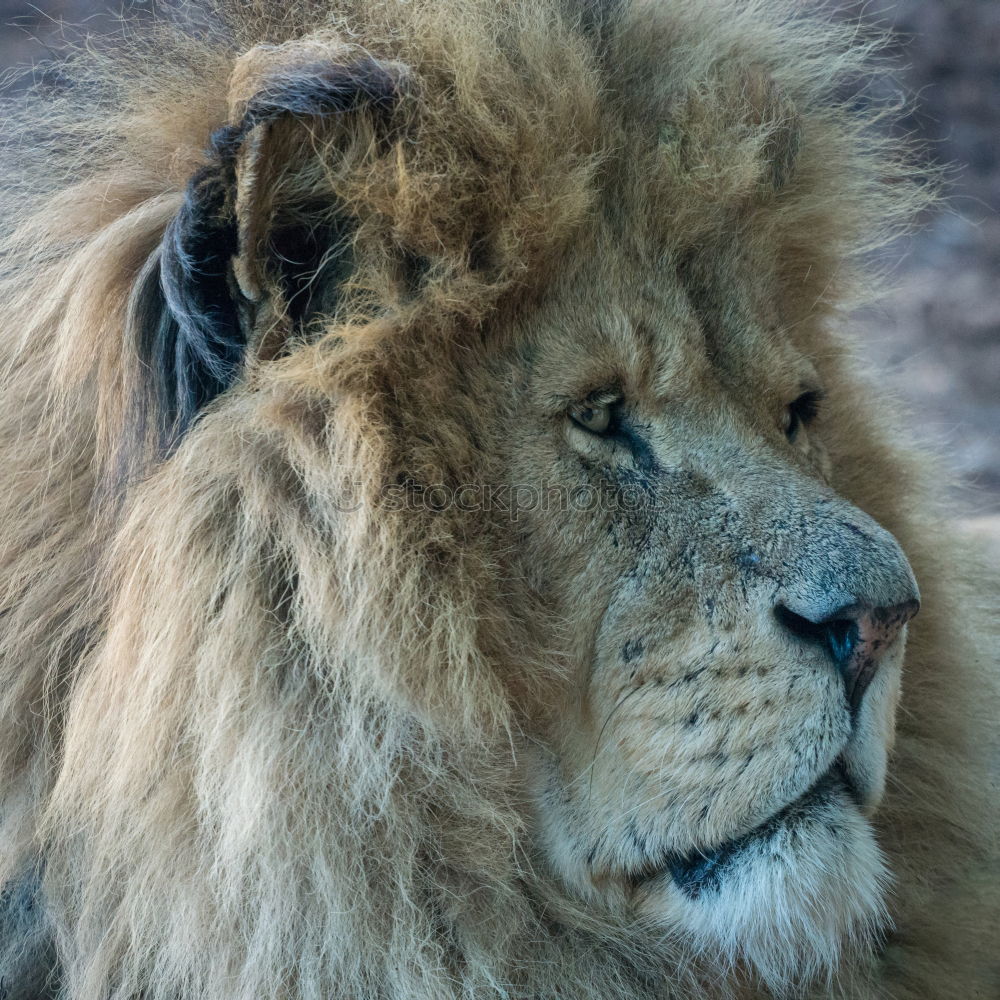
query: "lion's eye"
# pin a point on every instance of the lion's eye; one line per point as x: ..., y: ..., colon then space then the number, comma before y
x: 593, y: 414
x: 801, y: 412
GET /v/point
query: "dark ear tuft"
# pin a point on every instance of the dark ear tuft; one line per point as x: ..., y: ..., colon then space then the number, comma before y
x: 320, y: 89
x: 769, y: 107
x: 284, y: 83
x: 188, y: 319
x: 199, y: 344
x: 183, y: 316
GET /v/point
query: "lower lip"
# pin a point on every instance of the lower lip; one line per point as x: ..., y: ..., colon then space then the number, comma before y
x: 701, y: 871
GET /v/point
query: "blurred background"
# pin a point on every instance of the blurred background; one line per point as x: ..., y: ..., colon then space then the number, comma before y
x: 938, y: 333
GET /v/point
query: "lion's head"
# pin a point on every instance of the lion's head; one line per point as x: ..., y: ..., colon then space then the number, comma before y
x: 735, y: 627
x: 480, y: 579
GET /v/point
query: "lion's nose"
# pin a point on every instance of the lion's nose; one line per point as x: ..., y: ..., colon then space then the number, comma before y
x: 855, y: 637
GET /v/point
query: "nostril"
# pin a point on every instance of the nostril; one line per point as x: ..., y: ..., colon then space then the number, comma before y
x: 800, y: 627
x: 838, y: 636
x: 841, y: 639
x: 854, y: 636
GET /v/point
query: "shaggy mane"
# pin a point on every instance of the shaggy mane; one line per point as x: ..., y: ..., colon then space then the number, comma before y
x: 267, y: 742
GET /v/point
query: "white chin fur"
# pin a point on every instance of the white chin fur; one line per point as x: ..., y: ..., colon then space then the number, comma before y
x: 788, y: 903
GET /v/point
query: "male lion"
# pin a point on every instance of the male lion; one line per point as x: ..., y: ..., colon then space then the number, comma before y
x: 448, y: 549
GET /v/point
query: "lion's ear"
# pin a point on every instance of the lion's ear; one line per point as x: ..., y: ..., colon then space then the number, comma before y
x: 735, y: 135
x: 769, y: 109
x: 233, y: 261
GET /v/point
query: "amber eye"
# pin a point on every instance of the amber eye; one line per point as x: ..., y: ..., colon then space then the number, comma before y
x: 594, y: 414
x: 801, y: 412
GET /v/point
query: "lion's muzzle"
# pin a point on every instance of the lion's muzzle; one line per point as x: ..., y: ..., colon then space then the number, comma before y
x: 854, y: 636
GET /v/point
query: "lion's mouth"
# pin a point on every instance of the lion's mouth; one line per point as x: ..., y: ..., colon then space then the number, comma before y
x: 702, y: 871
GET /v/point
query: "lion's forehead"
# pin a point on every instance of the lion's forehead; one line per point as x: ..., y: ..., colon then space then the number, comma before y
x: 638, y: 156
x: 662, y: 335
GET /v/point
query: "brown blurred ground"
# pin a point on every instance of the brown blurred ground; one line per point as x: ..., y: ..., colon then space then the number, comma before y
x: 939, y: 333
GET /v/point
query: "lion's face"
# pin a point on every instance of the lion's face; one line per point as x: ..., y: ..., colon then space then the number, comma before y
x: 735, y: 627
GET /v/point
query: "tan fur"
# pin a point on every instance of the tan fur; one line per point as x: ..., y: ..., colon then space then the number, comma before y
x: 278, y: 724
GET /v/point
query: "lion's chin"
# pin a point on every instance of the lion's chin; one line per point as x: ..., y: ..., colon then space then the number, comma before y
x: 784, y: 900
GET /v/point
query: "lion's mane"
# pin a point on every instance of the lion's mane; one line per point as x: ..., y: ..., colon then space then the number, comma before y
x: 255, y: 743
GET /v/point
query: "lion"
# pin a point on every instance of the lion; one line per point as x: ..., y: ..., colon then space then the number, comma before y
x: 451, y: 546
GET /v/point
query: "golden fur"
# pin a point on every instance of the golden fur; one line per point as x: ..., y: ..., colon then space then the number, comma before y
x: 273, y: 722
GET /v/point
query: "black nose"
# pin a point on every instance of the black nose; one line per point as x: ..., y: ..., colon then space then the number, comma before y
x: 854, y: 636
